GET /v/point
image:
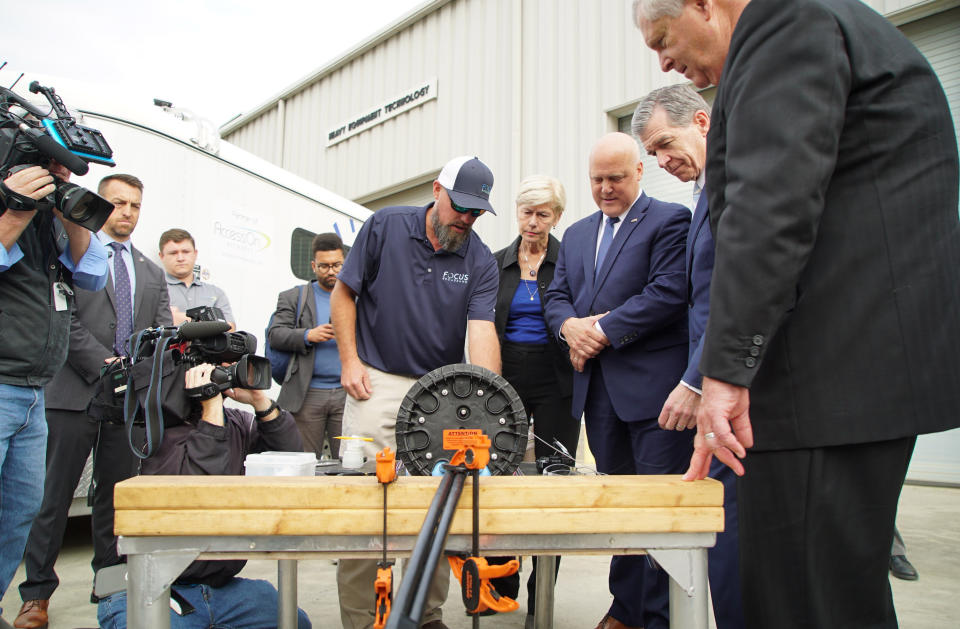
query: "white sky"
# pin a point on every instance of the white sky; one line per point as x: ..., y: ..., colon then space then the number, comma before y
x: 217, y: 58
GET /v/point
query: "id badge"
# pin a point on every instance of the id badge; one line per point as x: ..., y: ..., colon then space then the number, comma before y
x: 60, y: 293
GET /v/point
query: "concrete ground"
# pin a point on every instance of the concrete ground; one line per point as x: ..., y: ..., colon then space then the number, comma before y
x: 929, y: 521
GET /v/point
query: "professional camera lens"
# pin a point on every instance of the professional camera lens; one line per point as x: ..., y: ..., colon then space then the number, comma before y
x: 82, y: 206
x: 255, y: 372
x: 250, y: 372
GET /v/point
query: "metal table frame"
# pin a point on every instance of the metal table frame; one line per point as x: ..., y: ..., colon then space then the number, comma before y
x: 155, y: 562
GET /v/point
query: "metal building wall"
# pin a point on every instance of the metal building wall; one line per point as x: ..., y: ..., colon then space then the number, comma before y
x: 584, y: 65
x: 527, y: 85
x: 260, y: 137
x: 525, y: 105
x: 467, y: 45
x: 901, y: 11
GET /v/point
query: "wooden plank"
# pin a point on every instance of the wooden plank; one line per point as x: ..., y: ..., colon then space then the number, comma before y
x: 498, y: 492
x: 321, y: 521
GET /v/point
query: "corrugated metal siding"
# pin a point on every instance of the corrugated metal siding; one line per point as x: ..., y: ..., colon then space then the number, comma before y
x: 938, y: 38
x: 888, y: 7
x: 581, y: 64
x: 420, y: 194
x: 579, y: 60
x: 260, y: 138
x: 466, y: 45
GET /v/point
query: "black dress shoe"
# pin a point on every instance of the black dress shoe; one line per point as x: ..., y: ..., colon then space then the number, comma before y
x: 901, y: 568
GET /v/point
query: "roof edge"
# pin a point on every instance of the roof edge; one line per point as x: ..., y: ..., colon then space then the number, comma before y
x: 387, y: 32
x: 920, y: 10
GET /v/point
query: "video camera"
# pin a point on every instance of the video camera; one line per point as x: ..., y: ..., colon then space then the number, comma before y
x: 149, y: 388
x: 246, y: 371
x: 209, y: 341
x: 30, y: 136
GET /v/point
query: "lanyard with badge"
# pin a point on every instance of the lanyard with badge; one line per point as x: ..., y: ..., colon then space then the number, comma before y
x: 62, y: 292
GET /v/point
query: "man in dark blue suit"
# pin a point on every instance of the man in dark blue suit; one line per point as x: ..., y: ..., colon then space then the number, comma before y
x: 618, y: 300
x: 672, y: 123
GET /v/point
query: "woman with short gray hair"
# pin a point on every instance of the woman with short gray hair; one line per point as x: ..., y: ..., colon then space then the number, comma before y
x: 533, y: 361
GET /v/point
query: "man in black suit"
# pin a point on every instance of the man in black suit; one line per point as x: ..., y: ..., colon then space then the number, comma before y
x: 835, y: 302
x: 135, y: 298
x: 311, y: 388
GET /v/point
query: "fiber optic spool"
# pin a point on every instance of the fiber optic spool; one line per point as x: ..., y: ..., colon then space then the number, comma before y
x: 458, y: 400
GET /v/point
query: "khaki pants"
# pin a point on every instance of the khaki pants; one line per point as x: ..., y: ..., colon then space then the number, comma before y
x: 377, y: 418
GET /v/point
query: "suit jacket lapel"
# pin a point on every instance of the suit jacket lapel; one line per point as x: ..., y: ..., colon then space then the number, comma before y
x: 631, y: 219
x: 109, y: 290
x: 307, y: 312
x: 700, y: 214
x: 140, y: 269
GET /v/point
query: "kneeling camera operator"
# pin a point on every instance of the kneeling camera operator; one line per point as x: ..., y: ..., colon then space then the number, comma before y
x: 214, y: 440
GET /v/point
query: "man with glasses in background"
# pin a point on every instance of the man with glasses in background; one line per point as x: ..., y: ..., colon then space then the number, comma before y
x: 417, y: 284
x: 311, y: 389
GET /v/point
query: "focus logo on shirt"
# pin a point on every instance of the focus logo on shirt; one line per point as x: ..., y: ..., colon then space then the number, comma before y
x: 458, y: 278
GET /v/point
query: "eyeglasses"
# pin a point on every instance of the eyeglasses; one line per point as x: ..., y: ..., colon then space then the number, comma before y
x: 474, y: 212
x: 323, y: 268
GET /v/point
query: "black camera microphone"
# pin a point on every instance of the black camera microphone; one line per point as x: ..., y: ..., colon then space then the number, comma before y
x: 192, y: 330
x: 49, y: 147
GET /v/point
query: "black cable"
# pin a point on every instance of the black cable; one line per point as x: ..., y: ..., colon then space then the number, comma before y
x: 438, y: 543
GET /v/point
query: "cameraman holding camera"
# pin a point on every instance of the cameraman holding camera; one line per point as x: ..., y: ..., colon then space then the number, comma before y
x: 215, y: 441
x: 135, y: 297
x: 42, y: 258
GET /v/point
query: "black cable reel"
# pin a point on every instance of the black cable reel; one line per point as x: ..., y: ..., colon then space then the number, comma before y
x: 454, y: 398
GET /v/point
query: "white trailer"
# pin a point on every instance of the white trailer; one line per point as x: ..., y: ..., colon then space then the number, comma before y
x: 252, y: 221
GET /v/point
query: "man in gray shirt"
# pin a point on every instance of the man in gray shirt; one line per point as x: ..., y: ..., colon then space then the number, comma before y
x: 178, y: 253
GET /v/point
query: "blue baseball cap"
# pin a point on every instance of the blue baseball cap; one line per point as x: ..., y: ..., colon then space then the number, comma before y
x: 468, y: 181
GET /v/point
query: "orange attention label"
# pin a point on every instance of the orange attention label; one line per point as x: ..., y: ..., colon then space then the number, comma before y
x: 455, y: 439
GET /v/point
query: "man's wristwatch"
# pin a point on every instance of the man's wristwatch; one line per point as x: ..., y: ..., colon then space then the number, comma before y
x: 261, y: 414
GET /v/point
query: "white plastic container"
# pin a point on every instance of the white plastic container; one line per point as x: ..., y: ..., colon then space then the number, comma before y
x: 281, y: 464
x: 352, y: 456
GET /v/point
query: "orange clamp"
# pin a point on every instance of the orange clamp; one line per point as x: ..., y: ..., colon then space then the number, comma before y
x: 383, y: 587
x: 386, y: 466
x: 474, y: 452
x: 474, y: 574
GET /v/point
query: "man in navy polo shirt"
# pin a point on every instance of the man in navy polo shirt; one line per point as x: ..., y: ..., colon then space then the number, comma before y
x: 417, y: 283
